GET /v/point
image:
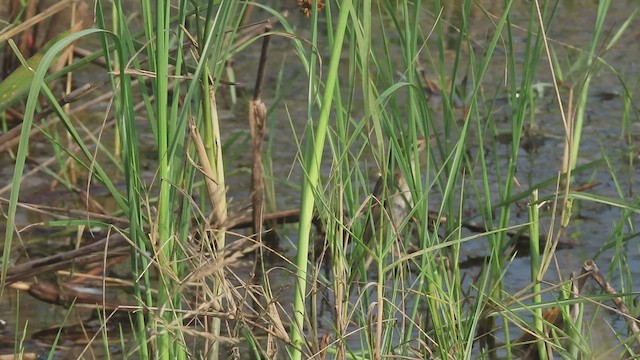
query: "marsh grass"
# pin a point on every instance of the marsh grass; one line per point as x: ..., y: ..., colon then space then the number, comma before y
x: 371, y: 69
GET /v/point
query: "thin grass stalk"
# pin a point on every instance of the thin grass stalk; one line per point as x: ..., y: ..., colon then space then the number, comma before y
x: 442, y: 74
x: 18, y: 343
x: 102, y: 318
x: 339, y: 270
x: 312, y: 67
x: 532, y: 53
x: 573, y: 316
x: 536, y: 276
x: 56, y: 339
x: 166, y: 348
x: 567, y: 122
x: 581, y: 106
x: 484, y: 201
x: 187, y: 173
x: 380, y: 295
x: 68, y: 170
x: 345, y: 134
x: 312, y: 168
x: 178, y: 69
x: 455, y: 287
x: 116, y: 20
x: 131, y: 171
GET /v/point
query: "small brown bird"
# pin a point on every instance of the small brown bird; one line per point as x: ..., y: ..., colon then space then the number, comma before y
x: 392, y: 204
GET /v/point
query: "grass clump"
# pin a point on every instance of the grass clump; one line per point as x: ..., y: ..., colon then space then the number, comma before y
x: 458, y: 125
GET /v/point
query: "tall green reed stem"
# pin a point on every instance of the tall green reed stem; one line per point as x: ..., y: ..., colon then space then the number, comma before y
x: 312, y: 159
x: 167, y: 174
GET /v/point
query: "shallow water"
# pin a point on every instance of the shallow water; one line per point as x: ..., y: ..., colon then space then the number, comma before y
x: 592, y: 224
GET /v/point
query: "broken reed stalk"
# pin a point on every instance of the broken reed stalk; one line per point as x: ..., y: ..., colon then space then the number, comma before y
x: 591, y: 267
x: 30, y: 20
x: 206, y: 169
x: 258, y: 125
